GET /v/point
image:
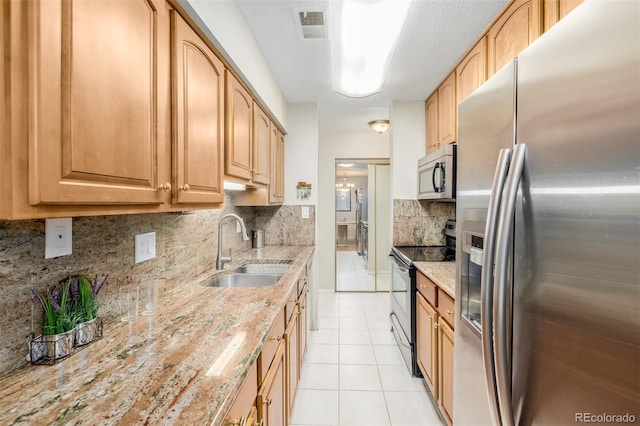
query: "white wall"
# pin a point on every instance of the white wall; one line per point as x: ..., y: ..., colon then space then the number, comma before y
x: 230, y: 32
x: 301, y: 152
x: 334, y: 146
x: 407, y: 145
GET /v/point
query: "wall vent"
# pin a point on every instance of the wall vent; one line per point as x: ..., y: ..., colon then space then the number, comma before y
x: 312, y: 24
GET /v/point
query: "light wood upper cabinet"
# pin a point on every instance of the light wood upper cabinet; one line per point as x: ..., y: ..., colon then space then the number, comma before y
x: 261, y: 145
x: 197, y: 116
x: 447, y: 111
x: 445, y: 367
x: 239, y: 134
x: 472, y: 71
x: 431, y: 123
x: 555, y: 10
x: 516, y: 29
x: 276, y: 185
x: 93, y: 102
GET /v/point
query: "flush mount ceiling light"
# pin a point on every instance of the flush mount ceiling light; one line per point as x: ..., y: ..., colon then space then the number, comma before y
x: 379, y: 126
x: 363, y: 35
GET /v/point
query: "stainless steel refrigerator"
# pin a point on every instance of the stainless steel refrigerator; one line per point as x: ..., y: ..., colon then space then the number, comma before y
x: 548, y: 213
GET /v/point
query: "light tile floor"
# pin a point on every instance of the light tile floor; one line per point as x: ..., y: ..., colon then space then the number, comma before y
x: 353, y: 373
x: 353, y: 275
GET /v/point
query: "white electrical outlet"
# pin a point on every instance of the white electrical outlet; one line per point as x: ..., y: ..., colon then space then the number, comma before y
x: 57, y: 236
x: 145, y: 247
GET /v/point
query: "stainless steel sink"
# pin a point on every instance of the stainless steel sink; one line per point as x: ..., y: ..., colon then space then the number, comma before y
x: 263, y: 268
x: 243, y: 280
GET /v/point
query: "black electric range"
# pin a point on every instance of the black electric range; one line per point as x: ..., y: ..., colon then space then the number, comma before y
x: 403, y: 289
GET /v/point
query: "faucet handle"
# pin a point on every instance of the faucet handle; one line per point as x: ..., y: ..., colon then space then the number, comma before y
x: 230, y: 255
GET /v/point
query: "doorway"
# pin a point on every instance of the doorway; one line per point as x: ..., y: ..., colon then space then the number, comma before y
x: 363, y: 225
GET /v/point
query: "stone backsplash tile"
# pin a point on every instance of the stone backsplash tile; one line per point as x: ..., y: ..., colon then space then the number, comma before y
x: 419, y: 222
x: 186, y: 245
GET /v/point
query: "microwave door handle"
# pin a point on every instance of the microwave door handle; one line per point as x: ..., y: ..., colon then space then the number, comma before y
x: 486, y: 300
x: 502, y: 291
x: 442, y: 177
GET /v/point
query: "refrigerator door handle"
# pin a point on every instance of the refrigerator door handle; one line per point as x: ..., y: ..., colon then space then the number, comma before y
x: 501, y: 294
x: 488, y: 256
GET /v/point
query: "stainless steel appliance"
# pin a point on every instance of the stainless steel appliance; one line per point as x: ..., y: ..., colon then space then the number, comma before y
x: 403, y: 289
x: 548, y: 214
x: 437, y: 175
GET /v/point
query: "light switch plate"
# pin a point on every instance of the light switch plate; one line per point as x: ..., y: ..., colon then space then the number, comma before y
x: 305, y: 212
x: 145, y: 247
x: 57, y: 236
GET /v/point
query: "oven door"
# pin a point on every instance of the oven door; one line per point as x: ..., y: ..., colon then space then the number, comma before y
x: 401, y: 310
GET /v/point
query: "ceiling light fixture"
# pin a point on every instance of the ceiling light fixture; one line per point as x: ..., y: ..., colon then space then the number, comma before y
x: 363, y: 35
x: 380, y: 126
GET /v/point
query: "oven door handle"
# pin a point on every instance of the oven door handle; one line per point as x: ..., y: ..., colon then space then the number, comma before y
x: 399, y: 264
x: 395, y: 325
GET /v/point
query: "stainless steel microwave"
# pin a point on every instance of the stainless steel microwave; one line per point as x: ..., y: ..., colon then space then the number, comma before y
x: 437, y: 175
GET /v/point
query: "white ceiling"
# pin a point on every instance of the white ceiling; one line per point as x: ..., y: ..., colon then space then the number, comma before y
x: 436, y: 34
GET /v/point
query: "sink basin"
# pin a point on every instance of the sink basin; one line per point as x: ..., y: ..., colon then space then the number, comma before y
x: 263, y: 268
x: 243, y: 280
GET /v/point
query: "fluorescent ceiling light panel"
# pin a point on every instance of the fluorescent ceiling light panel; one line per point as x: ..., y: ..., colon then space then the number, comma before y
x: 363, y: 35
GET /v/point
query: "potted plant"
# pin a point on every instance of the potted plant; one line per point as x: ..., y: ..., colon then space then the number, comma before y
x: 58, y: 322
x: 85, y: 306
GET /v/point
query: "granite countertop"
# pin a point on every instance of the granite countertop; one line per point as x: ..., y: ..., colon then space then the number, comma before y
x: 153, y: 371
x: 443, y: 274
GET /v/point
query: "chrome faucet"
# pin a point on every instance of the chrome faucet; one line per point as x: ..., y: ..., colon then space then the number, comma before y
x: 222, y: 260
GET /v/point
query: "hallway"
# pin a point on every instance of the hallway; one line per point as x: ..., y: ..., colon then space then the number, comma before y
x: 353, y: 373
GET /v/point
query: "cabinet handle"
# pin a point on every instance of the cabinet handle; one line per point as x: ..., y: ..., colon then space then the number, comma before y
x: 274, y: 338
x: 185, y: 187
x: 449, y: 313
x: 436, y: 325
x: 267, y: 402
x: 165, y: 187
x: 422, y: 286
x: 430, y: 317
x: 241, y: 422
x: 260, y: 423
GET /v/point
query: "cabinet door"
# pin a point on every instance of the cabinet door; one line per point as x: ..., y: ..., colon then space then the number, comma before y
x: 447, y: 110
x: 472, y: 71
x: 197, y: 117
x: 93, y: 102
x: 261, y: 145
x: 445, y: 366
x: 272, y: 398
x: 244, y: 404
x: 555, y: 10
x: 304, y: 323
x: 276, y: 184
x: 239, y: 134
x: 427, y: 342
x: 516, y: 29
x: 291, y: 337
x: 431, y: 123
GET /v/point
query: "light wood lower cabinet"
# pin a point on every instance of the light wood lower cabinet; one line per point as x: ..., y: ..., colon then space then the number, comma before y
x: 445, y: 367
x: 272, y: 403
x: 292, y: 338
x: 435, y: 343
x: 243, y: 410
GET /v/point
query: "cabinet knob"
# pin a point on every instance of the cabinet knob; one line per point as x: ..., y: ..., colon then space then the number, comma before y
x: 422, y: 286
x: 267, y: 401
x: 165, y: 187
x: 436, y: 325
x: 185, y: 187
x: 260, y: 423
x: 275, y: 338
x: 449, y: 313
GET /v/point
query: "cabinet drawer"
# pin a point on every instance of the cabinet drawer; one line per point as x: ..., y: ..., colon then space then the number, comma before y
x: 271, y: 345
x: 427, y: 288
x: 446, y: 307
